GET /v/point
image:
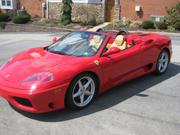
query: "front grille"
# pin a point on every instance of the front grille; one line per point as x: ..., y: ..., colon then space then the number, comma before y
x: 23, y: 101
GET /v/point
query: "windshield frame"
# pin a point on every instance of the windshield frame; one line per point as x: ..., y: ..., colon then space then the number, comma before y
x: 89, y: 32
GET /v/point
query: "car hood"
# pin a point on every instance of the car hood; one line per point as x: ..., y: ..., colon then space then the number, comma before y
x: 34, y: 61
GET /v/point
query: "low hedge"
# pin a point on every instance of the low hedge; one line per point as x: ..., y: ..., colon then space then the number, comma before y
x: 22, y: 19
x: 147, y: 25
x: 4, y: 17
x: 177, y: 25
x: 161, y: 25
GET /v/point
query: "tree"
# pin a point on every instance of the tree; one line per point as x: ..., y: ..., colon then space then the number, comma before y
x: 66, y: 12
x: 173, y: 15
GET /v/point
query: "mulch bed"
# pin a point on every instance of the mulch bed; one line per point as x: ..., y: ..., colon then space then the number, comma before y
x: 11, y: 27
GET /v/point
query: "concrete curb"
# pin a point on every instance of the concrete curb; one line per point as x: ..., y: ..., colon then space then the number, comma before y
x: 50, y: 30
x: 10, y: 27
x: 162, y: 33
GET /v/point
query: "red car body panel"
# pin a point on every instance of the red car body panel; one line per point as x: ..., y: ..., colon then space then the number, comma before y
x: 110, y: 71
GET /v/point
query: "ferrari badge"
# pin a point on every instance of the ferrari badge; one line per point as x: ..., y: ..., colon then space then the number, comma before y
x: 96, y: 62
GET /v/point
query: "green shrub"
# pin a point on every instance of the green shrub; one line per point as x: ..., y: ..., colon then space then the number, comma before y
x: 173, y: 14
x: 65, y: 20
x: 147, y: 25
x: 171, y: 29
x: 161, y: 25
x: 22, y: 19
x: 135, y: 24
x: 66, y: 12
x: 117, y: 23
x: 2, y: 25
x: 177, y: 25
x: 127, y: 23
x: 4, y: 17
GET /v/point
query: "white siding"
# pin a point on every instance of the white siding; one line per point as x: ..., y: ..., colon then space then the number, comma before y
x: 13, y: 5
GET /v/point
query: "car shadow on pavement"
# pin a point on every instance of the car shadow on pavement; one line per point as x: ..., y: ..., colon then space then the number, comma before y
x: 110, y: 98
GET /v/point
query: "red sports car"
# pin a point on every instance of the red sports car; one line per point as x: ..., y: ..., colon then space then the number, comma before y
x: 77, y: 67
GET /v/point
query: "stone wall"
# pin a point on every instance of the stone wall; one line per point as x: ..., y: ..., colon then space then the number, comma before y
x: 80, y: 12
x: 55, y: 10
x: 87, y: 12
x: 116, y: 10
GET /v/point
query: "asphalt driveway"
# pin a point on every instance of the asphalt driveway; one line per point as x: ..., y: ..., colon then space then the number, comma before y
x: 146, y: 106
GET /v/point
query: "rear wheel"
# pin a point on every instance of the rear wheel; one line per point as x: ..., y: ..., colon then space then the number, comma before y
x: 162, y: 62
x: 81, y: 91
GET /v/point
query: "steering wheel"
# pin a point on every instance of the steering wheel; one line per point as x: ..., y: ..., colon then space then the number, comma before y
x: 122, y: 32
x: 94, y: 48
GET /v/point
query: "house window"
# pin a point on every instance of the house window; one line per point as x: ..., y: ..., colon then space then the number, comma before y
x: 7, y: 4
x: 156, y: 18
x: 3, y: 2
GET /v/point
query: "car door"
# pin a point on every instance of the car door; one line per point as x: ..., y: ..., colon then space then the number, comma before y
x: 116, y: 67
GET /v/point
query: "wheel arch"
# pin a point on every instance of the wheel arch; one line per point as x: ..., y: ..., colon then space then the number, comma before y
x: 168, y: 51
x: 92, y: 73
x: 84, y: 72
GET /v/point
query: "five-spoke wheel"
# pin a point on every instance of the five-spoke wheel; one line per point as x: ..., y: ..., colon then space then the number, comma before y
x: 163, y: 62
x: 81, y: 91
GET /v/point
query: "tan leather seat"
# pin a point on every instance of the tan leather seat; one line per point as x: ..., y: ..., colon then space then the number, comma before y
x: 109, y: 44
x: 120, y: 42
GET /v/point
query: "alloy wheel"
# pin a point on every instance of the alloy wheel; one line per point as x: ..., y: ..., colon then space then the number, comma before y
x: 163, y: 62
x: 83, y: 91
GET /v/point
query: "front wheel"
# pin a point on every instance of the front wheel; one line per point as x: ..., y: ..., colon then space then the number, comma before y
x: 81, y: 92
x: 162, y: 62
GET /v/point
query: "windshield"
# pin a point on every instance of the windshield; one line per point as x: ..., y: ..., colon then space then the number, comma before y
x: 78, y: 44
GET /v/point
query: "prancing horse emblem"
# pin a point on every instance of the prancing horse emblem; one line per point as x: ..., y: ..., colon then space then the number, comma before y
x: 96, y: 62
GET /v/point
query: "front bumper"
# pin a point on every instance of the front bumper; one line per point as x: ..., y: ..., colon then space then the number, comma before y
x: 40, y: 101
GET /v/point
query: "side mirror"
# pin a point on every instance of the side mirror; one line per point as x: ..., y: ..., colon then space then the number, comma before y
x: 113, y: 50
x: 54, y: 40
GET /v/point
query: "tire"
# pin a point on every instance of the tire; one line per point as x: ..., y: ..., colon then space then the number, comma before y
x: 81, y: 91
x: 162, y: 62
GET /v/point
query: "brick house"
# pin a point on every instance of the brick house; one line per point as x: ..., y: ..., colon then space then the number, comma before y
x: 33, y: 7
x: 102, y: 10
x: 145, y: 9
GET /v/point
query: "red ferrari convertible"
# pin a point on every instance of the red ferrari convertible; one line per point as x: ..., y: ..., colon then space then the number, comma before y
x: 75, y: 68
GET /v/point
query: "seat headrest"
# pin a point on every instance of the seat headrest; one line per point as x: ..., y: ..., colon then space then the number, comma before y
x: 119, y: 40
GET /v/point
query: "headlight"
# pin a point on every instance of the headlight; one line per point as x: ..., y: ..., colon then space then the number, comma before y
x: 41, y: 77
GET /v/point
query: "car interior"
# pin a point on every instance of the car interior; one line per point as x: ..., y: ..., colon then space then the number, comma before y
x: 95, y: 42
x: 119, y: 39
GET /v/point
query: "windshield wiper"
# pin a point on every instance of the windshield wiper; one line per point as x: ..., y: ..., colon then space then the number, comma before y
x: 58, y: 52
